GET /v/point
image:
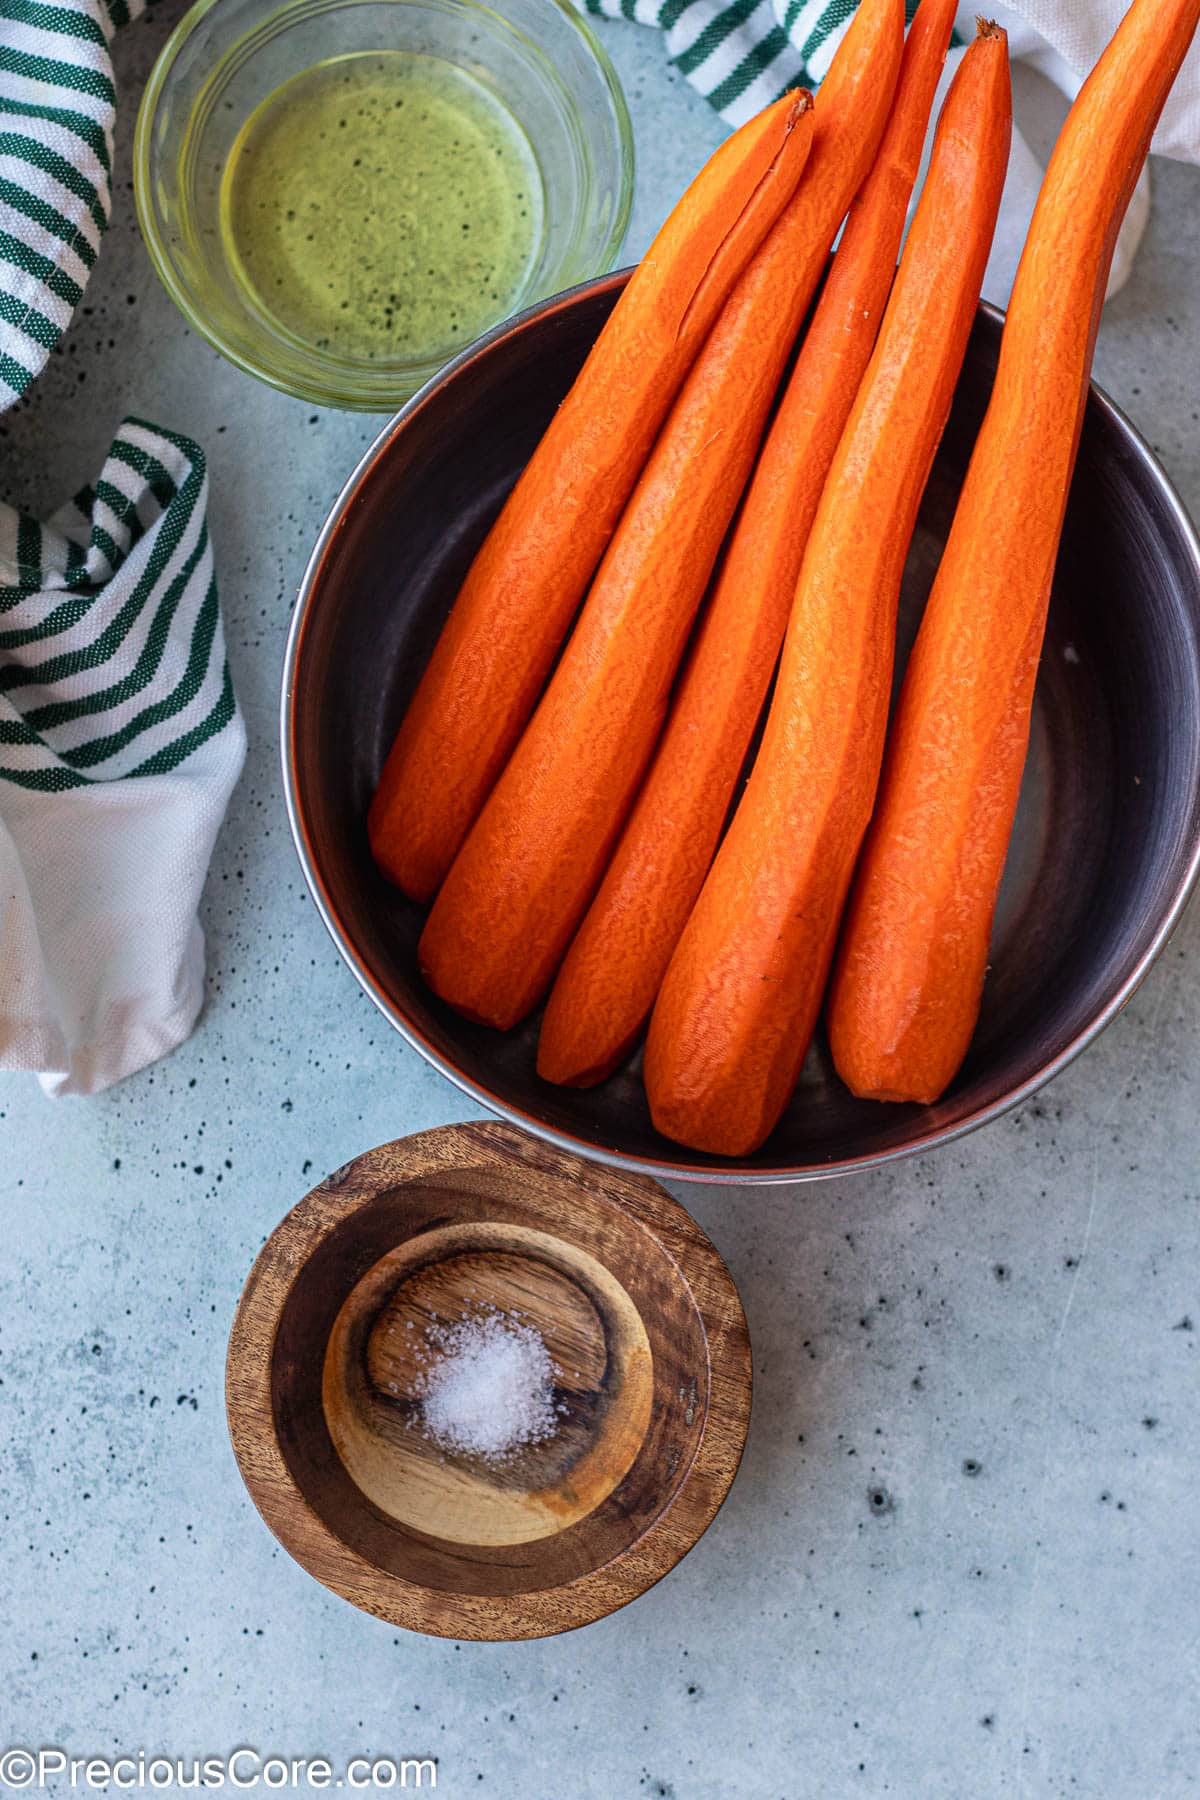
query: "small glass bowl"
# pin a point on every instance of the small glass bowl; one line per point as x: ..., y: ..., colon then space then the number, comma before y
x: 540, y: 59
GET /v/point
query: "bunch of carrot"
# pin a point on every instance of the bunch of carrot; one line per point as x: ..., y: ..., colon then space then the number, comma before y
x: 686, y: 530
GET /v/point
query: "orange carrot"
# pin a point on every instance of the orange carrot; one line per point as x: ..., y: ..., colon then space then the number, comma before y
x: 527, y: 580
x: 614, y: 968
x: 523, y: 879
x: 910, y: 974
x: 737, y: 1008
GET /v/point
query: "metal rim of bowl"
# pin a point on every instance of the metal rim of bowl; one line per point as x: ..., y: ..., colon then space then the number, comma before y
x: 736, y: 1174
x: 164, y: 267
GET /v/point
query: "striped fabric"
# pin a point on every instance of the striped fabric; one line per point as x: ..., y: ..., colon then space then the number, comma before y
x: 57, y: 105
x: 120, y: 738
x: 741, y: 54
x: 120, y: 744
x: 112, y: 658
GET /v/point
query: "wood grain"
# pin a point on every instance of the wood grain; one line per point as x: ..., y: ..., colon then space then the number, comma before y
x: 653, y: 1376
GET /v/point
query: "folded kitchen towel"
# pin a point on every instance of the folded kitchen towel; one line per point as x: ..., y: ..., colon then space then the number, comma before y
x: 740, y: 54
x: 120, y: 738
x: 120, y: 743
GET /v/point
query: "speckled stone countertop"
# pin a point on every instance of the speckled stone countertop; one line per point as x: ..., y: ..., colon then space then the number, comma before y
x: 961, y: 1558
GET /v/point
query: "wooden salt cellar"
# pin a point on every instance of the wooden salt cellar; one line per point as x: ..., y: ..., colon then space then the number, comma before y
x: 640, y: 1318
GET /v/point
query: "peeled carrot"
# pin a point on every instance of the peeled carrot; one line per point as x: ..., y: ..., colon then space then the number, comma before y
x: 737, y: 1008
x: 910, y: 974
x: 527, y: 580
x: 517, y: 890
x: 613, y: 971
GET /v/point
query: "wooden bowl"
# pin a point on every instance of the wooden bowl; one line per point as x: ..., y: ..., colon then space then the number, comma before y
x: 652, y: 1380
x: 1107, y: 838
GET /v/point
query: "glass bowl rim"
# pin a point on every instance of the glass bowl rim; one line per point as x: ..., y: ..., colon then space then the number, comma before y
x: 352, y: 396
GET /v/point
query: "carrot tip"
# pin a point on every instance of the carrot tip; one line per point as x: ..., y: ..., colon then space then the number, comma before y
x: 988, y: 28
x: 802, y: 103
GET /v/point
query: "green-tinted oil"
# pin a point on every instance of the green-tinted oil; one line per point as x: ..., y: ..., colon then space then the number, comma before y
x: 382, y: 206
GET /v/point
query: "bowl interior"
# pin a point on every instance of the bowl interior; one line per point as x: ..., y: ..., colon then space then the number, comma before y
x: 538, y: 59
x: 1109, y: 819
x: 346, y: 1313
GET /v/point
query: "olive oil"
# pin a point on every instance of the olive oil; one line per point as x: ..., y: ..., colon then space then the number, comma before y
x: 382, y: 206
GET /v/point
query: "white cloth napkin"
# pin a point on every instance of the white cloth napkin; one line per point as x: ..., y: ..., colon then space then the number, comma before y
x: 120, y: 743
x: 1062, y: 40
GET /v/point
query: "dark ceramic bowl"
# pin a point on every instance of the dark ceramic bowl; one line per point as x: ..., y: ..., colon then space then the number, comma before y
x: 1107, y: 841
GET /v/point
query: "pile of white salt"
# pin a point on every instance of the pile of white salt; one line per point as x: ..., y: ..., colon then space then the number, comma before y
x: 488, y: 1389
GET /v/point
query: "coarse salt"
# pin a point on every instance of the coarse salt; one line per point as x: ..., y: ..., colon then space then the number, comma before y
x: 489, y: 1388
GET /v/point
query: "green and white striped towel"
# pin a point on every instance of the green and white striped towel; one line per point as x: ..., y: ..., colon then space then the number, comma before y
x: 120, y: 738
x: 57, y: 107
x: 740, y: 54
x: 120, y: 743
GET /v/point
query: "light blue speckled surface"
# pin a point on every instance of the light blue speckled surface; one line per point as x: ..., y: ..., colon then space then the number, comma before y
x: 961, y: 1558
